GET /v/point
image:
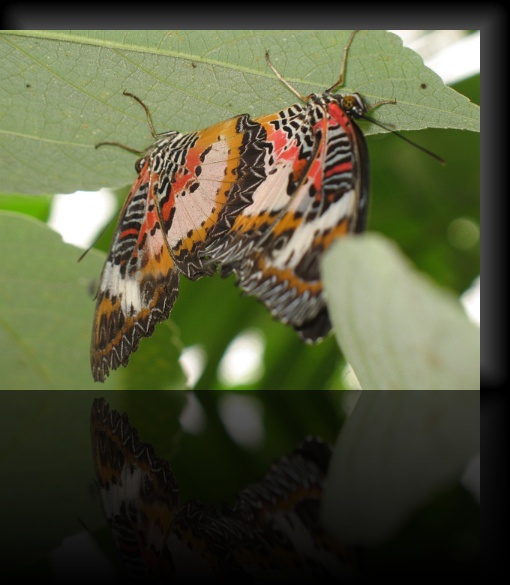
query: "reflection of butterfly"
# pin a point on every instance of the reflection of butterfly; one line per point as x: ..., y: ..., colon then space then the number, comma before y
x: 272, y: 530
x: 262, y: 198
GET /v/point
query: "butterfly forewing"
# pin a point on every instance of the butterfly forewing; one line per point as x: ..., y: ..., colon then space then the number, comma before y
x: 282, y: 162
x: 206, y: 182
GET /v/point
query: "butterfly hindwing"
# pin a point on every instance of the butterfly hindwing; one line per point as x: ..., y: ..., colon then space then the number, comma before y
x: 139, y: 283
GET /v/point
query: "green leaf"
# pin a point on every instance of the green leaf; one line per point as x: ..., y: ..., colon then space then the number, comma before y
x: 396, y: 328
x: 46, y: 311
x: 34, y: 205
x: 65, y: 92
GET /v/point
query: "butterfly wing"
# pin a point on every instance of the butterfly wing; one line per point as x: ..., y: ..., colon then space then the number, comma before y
x: 316, y: 191
x: 206, y: 180
x: 138, y: 491
x: 139, y: 283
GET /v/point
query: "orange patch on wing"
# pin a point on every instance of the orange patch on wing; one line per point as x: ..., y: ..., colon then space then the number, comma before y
x: 290, y: 277
x: 105, y: 314
x: 326, y: 239
x: 248, y: 223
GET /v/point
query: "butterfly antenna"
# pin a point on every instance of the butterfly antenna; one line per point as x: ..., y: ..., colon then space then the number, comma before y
x: 147, y: 112
x: 284, y: 81
x: 98, y: 237
x: 120, y: 145
x: 422, y: 148
x: 149, y: 121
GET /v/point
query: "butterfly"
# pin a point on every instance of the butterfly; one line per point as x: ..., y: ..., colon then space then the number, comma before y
x: 262, y: 198
x: 271, y: 531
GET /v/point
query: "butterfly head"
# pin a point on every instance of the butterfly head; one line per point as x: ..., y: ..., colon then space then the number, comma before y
x: 353, y: 105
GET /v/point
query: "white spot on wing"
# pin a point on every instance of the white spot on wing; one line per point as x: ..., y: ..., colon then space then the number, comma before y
x: 127, y: 289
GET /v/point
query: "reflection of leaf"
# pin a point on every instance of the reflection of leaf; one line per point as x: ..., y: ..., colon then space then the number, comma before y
x: 66, y: 92
x: 46, y: 309
x: 395, y: 452
x: 397, y: 329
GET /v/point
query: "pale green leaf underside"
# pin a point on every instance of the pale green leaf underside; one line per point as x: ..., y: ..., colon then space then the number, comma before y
x: 397, y: 329
x: 62, y: 92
